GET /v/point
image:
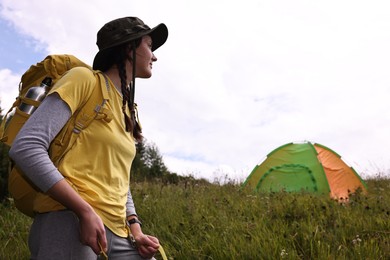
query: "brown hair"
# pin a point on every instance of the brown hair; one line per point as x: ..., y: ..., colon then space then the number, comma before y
x: 118, y: 56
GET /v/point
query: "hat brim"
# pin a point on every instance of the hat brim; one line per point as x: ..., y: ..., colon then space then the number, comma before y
x: 159, y: 35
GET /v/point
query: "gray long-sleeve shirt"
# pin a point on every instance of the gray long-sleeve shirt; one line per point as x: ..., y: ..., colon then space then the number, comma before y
x: 29, y: 149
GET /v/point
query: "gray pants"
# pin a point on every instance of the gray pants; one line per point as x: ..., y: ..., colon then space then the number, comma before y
x: 55, y: 235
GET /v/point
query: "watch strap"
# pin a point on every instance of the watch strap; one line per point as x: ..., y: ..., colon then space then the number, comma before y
x: 134, y: 221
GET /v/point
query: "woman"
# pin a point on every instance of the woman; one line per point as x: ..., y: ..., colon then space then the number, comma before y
x: 93, y: 188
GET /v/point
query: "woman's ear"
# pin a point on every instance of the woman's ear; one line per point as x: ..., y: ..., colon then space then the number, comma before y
x: 130, y: 51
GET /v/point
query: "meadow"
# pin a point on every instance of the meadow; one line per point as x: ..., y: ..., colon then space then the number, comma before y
x: 199, y: 220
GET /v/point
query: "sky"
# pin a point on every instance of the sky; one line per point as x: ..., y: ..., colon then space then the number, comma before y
x: 235, y: 79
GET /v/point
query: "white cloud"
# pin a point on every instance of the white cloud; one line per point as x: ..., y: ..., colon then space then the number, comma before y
x: 8, y: 89
x: 238, y: 79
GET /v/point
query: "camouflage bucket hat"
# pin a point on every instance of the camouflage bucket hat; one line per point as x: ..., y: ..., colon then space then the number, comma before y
x: 124, y: 30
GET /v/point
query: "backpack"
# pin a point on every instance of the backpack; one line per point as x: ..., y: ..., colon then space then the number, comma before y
x: 27, y: 197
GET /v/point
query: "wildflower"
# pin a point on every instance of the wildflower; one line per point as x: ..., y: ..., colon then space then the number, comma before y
x: 357, y: 240
x: 284, y: 253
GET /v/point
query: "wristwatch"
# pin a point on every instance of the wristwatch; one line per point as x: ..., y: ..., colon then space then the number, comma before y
x: 133, y: 221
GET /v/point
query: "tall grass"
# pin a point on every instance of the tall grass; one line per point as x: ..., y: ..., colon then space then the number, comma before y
x: 209, y: 221
x: 14, y: 228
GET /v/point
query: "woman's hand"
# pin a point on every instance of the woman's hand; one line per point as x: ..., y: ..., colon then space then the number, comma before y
x: 92, y: 232
x: 147, y: 245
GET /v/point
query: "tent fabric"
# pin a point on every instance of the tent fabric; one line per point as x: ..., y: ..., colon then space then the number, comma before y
x: 342, y: 179
x: 305, y: 167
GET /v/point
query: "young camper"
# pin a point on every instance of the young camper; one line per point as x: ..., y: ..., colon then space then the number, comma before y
x: 95, y: 211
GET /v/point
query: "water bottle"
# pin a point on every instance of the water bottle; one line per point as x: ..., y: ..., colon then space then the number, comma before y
x: 37, y: 93
x: 8, y: 118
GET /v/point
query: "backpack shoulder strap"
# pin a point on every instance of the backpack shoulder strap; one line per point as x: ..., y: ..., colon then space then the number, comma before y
x: 94, y: 109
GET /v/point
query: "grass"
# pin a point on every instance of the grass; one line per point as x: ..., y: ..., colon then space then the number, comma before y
x: 195, y: 220
x: 14, y: 228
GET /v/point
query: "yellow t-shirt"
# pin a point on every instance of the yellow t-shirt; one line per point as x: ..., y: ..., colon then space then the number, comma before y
x: 98, y: 165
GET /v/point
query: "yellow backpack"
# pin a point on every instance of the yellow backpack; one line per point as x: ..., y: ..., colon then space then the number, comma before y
x: 27, y: 197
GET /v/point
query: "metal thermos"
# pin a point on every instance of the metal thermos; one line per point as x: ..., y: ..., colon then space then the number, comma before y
x: 37, y: 93
x: 8, y: 118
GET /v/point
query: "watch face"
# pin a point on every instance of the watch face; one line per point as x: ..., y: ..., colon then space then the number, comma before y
x: 133, y: 221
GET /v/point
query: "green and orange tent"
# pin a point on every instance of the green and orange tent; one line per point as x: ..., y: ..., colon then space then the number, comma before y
x: 305, y: 166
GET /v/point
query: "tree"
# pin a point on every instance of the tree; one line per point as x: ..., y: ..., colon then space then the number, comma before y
x: 154, y: 162
x: 138, y: 167
x: 4, y: 164
x: 148, y: 163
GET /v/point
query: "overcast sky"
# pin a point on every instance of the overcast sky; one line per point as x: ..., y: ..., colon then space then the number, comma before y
x: 235, y: 79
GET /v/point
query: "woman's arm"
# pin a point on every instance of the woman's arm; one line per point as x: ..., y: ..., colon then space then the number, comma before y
x: 29, y: 152
x: 29, y: 149
x: 130, y: 208
x: 147, y: 245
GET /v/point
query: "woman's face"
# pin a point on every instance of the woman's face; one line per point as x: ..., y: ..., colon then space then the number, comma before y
x: 144, y: 58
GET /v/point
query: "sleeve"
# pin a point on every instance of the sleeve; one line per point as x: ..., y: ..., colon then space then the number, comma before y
x: 73, y: 88
x: 130, y: 208
x: 30, y: 147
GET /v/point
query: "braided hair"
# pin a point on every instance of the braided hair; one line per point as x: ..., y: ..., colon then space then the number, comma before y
x: 118, y: 56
